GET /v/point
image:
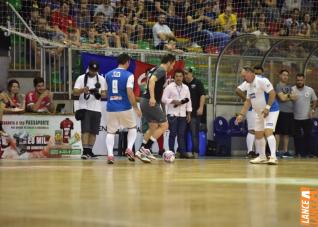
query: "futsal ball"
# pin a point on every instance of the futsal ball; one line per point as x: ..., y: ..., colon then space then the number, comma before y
x: 168, y: 156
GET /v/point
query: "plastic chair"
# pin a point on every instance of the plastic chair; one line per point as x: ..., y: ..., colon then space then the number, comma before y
x: 221, y: 136
x: 314, y: 136
x: 237, y: 130
x: 220, y: 126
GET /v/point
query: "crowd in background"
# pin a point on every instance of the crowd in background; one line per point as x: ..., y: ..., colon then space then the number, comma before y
x: 121, y: 23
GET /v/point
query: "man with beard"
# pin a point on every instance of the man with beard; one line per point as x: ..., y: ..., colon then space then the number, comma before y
x: 41, y: 99
x: 304, y: 110
x: 162, y: 33
x: 90, y: 88
x: 285, y: 122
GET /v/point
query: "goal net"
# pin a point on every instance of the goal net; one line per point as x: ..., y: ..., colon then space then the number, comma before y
x: 177, y: 25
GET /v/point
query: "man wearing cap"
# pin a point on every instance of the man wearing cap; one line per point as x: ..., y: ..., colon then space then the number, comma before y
x: 197, y: 94
x: 90, y: 88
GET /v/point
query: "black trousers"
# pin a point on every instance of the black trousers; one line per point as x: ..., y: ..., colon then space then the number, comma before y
x: 302, y: 138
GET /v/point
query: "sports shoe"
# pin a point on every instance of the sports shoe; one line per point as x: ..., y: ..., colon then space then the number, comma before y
x: 91, y: 155
x: 251, y: 155
x: 259, y: 160
x: 110, y: 159
x: 130, y: 155
x: 272, y: 161
x: 142, y: 157
x: 84, y: 156
x: 287, y: 155
x: 148, y: 153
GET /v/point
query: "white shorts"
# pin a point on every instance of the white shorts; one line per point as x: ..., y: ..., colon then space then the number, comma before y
x: 119, y: 120
x: 250, y: 117
x: 269, y: 122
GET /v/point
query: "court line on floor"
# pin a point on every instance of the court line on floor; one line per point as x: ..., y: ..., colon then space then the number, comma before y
x: 276, y: 180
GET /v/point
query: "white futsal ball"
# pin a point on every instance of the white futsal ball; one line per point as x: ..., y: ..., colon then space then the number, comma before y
x: 168, y: 156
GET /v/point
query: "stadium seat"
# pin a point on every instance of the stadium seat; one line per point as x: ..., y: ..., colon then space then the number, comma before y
x: 314, y: 136
x: 143, y: 45
x: 221, y: 136
x: 237, y: 130
x: 220, y: 126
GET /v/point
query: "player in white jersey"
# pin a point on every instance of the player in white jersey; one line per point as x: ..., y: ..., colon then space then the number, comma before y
x: 262, y: 97
x: 250, y: 117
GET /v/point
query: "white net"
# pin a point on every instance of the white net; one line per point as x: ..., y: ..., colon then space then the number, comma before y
x: 185, y: 25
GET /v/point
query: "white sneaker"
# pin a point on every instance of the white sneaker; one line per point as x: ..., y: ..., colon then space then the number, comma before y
x: 142, y: 157
x: 272, y: 161
x: 259, y: 160
x: 148, y: 153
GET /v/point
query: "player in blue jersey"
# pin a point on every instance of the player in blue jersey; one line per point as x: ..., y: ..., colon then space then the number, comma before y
x: 262, y: 97
x: 121, y: 104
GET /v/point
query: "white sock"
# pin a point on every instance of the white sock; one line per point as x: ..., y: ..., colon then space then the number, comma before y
x: 260, y: 145
x: 272, y: 145
x: 153, y: 139
x: 110, y: 140
x: 131, y: 137
x: 250, y: 141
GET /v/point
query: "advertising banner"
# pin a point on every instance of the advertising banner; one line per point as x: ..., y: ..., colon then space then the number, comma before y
x: 39, y: 136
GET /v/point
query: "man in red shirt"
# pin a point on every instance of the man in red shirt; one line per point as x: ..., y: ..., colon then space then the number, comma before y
x: 62, y: 21
x: 41, y: 99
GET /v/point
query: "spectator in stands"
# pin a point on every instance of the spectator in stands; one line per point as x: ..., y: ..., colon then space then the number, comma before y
x: 106, y: 9
x: 162, y: 33
x: 304, y: 31
x: 172, y: 46
x: 304, y: 109
x: 285, y: 122
x: 83, y: 18
x: 271, y: 10
x: 90, y: 39
x: 104, y: 33
x: 291, y: 5
x: 14, y: 102
x: 47, y: 13
x: 293, y: 19
x: 262, y: 44
x: 129, y: 20
x: 307, y: 22
x: 41, y: 99
x: 62, y: 21
x: 177, y: 98
x: 314, y: 28
x: 118, y: 27
x: 197, y: 100
x: 228, y: 21
x: 293, y: 29
x: 163, y: 7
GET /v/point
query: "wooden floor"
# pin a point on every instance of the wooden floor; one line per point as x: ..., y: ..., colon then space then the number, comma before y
x: 205, y: 192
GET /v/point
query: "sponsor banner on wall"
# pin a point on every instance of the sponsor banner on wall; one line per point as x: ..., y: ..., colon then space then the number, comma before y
x: 39, y: 136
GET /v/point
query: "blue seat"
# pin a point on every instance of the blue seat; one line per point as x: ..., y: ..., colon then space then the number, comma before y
x: 315, y: 126
x: 237, y: 130
x: 222, y: 136
x: 314, y: 136
x: 220, y: 126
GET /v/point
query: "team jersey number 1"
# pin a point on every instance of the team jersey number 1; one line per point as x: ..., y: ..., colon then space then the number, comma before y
x: 115, y: 86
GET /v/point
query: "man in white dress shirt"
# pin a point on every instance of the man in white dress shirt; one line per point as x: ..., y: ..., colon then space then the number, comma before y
x: 176, y: 96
